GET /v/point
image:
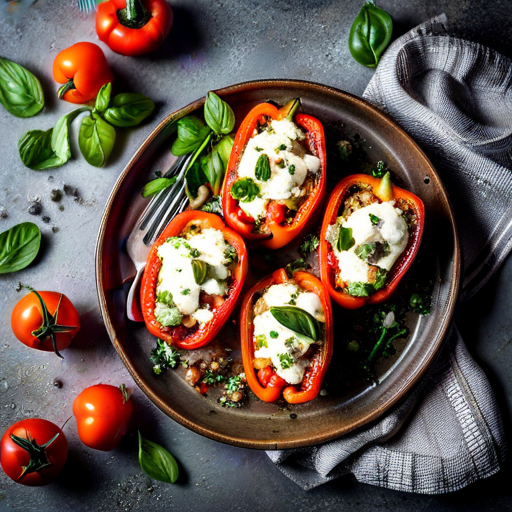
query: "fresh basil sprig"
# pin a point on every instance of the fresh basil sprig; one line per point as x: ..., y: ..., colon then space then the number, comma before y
x: 19, y: 246
x: 129, y: 109
x: 345, y: 240
x: 20, y: 91
x: 47, y: 149
x: 213, y: 168
x: 156, y: 185
x: 297, y: 320
x: 103, y: 98
x: 219, y: 116
x: 370, y: 34
x: 262, y: 171
x: 157, y: 462
x: 96, y: 140
x: 191, y: 134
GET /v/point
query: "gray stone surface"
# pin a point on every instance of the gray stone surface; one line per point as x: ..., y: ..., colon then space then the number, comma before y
x: 213, y: 44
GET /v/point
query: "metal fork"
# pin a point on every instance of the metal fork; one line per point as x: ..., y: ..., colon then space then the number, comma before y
x: 87, y: 5
x: 160, y: 210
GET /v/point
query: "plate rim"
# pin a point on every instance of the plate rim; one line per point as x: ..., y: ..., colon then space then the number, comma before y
x: 378, y: 411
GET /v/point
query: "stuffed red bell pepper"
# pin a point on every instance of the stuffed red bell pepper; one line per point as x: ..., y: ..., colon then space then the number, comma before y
x: 370, y: 236
x: 286, y: 333
x: 276, y: 175
x: 192, y: 280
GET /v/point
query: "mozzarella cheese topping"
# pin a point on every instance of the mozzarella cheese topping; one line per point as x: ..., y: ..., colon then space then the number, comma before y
x: 177, y: 276
x: 288, y: 163
x: 279, y: 343
x: 389, y: 228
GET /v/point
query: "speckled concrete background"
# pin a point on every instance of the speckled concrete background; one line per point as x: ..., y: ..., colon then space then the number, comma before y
x: 213, y: 44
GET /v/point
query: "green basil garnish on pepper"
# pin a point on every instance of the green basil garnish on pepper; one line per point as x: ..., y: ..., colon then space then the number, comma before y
x: 370, y: 34
x: 244, y: 190
x: 262, y: 171
x: 297, y: 320
x: 20, y: 91
x: 200, y: 271
x: 345, y: 240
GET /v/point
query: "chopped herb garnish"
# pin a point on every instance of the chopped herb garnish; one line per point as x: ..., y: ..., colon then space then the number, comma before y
x: 262, y: 171
x: 359, y: 289
x: 291, y: 169
x: 261, y: 341
x: 230, y: 254
x: 195, y: 253
x: 244, y: 190
x: 282, y: 147
x: 309, y: 244
x: 164, y: 356
x: 212, y: 378
x: 295, y: 265
x: 380, y: 279
x: 186, y: 291
x: 274, y: 334
x: 289, y: 342
x: 419, y: 305
x: 380, y: 169
x: 286, y: 361
x: 258, y: 149
x: 179, y: 270
x: 281, y: 164
x: 374, y: 219
x: 345, y: 240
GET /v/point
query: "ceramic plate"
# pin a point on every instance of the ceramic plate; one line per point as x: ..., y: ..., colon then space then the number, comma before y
x: 261, y: 425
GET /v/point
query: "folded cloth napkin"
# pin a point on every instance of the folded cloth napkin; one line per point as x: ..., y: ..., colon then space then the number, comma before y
x: 454, y: 98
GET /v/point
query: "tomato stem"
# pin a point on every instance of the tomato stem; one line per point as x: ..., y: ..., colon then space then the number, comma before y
x: 68, y: 86
x: 38, y: 457
x: 49, y: 325
x: 134, y: 15
x: 124, y: 391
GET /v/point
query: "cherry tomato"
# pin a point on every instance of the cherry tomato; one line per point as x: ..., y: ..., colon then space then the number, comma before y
x: 102, y: 414
x: 45, y: 320
x: 33, y: 451
x: 83, y: 70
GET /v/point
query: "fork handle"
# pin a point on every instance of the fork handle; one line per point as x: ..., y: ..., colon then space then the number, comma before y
x: 133, y: 310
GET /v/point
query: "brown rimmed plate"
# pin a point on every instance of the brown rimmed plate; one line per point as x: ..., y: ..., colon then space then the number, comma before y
x: 261, y: 425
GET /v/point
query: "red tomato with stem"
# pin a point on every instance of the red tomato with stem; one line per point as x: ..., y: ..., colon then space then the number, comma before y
x: 33, y: 451
x: 45, y: 321
x: 102, y: 415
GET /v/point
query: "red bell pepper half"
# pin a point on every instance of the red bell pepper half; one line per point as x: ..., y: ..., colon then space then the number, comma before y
x: 277, y: 233
x: 133, y: 27
x: 384, y: 191
x: 181, y: 336
x: 265, y: 383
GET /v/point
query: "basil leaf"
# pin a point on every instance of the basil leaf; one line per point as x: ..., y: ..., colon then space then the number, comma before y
x: 359, y: 289
x: 129, y: 109
x: 345, y: 240
x: 195, y: 178
x: 19, y: 246
x: 155, y: 186
x: 47, y: 149
x: 364, y: 250
x: 20, y: 91
x: 298, y: 320
x: 103, y: 98
x: 96, y: 140
x: 224, y: 148
x: 213, y: 169
x: 157, y: 462
x: 218, y: 115
x: 191, y: 134
x: 200, y: 271
x: 370, y: 34
x: 374, y: 219
x: 262, y: 170
x: 380, y: 279
x: 244, y: 190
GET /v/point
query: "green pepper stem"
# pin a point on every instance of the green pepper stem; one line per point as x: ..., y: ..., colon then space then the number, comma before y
x: 134, y: 15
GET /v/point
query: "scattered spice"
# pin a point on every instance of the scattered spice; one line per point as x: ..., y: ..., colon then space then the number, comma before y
x: 35, y: 208
x: 46, y: 219
x: 56, y: 195
x: 57, y: 383
x: 3, y: 212
x: 55, y: 229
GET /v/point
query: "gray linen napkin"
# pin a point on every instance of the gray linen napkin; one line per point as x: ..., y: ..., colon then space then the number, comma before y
x: 455, y: 98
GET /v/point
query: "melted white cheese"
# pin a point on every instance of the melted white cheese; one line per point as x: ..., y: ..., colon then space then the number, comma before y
x: 177, y: 276
x: 265, y: 324
x: 392, y: 229
x: 282, y: 184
